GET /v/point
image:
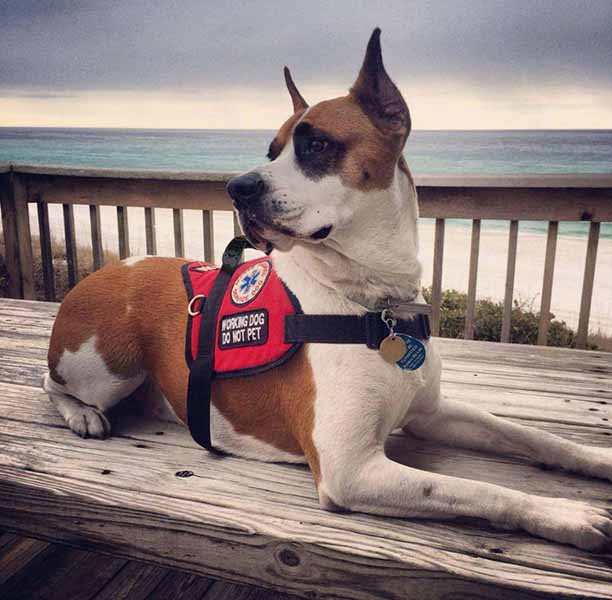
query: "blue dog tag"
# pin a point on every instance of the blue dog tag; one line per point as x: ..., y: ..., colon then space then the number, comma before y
x: 415, y: 353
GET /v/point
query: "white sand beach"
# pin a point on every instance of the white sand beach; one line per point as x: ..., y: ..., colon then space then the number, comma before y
x: 568, y: 277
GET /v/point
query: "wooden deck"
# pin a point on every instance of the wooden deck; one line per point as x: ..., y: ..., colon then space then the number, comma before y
x: 33, y: 569
x: 149, y: 494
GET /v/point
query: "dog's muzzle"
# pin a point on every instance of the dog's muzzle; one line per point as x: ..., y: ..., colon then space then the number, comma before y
x: 246, y: 190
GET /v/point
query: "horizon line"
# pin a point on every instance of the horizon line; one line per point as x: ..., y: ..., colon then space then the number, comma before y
x: 77, y: 127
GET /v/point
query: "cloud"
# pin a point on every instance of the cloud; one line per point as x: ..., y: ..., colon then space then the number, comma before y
x: 204, y: 45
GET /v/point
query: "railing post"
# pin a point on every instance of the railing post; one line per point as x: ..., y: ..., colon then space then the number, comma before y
x: 587, y: 286
x: 470, y: 313
x: 547, y: 283
x: 510, y: 272
x: 17, y: 237
x: 436, y: 286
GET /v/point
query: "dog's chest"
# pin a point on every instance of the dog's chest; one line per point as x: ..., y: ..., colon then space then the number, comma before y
x: 352, y: 378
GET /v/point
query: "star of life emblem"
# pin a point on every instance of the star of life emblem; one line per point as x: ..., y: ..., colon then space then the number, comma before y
x: 250, y: 283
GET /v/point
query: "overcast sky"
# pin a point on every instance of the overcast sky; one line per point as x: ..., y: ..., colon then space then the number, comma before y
x: 460, y: 64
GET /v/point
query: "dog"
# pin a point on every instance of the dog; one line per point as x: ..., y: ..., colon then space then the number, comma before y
x: 336, y: 209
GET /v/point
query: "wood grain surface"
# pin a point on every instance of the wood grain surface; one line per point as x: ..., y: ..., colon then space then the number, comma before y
x: 260, y: 524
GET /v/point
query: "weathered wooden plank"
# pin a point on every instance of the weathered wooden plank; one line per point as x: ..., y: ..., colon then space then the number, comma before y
x: 221, y: 590
x: 136, y: 581
x: 260, y: 523
x: 10, y: 237
x: 436, y: 286
x: 208, y: 233
x: 16, y: 555
x: 179, y: 235
x: 142, y: 524
x: 473, y: 278
x: 71, y: 245
x: 547, y: 283
x: 181, y: 585
x: 17, y: 236
x: 150, y: 231
x: 61, y: 572
x: 108, y: 191
x: 524, y: 180
x: 535, y: 204
x: 587, y: 286
x: 510, y: 273
x: 96, y: 236
x: 123, y: 231
x: 46, y: 253
x: 557, y: 197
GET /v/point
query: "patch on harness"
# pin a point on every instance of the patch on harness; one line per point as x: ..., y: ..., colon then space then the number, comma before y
x: 250, y: 283
x: 248, y: 328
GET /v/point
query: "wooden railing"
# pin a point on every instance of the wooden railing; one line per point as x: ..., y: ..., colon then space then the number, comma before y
x: 551, y: 198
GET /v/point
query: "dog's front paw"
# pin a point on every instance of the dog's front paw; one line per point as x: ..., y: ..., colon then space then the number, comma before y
x: 569, y: 522
x: 87, y: 422
x: 599, y: 463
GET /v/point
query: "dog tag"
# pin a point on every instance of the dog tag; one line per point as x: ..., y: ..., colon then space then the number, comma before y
x: 392, y: 348
x: 414, y: 356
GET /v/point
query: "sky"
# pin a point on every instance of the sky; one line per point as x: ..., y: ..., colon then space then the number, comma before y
x: 461, y: 64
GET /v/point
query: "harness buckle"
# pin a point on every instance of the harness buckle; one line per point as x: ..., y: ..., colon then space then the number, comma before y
x: 190, y: 307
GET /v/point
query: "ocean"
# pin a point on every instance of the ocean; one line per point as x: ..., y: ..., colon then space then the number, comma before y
x: 427, y: 152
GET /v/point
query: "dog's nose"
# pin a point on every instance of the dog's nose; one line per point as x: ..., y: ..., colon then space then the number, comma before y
x: 245, y: 189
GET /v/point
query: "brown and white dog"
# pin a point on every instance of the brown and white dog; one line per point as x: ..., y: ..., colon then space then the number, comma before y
x: 338, y: 206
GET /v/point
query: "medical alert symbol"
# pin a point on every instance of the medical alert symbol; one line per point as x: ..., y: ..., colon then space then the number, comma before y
x: 250, y: 283
x: 244, y: 329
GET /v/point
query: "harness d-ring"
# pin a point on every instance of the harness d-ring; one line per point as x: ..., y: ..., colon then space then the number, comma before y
x: 190, y: 309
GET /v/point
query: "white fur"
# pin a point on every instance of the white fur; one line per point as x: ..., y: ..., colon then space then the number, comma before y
x: 134, y: 260
x: 87, y: 377
x: 361, y: 399
x: 225, y: 437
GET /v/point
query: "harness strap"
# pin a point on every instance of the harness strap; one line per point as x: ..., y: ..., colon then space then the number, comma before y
x: 368, y: 329
x: 202, y: 370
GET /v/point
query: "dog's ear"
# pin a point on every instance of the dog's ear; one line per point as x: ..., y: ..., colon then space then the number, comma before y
x: 377, y: 94
x: 298, y: 101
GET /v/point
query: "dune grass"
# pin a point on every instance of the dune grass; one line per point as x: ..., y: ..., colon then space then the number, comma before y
x: 60, y: 267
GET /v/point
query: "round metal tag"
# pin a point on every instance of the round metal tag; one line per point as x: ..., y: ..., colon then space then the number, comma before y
x: 392, y: 348
x: 414, y: 356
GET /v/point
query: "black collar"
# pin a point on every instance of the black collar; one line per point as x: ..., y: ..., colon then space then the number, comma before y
x: 368, y: 329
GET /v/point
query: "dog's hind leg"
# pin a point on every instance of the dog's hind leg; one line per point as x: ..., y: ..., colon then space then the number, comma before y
x: 84, y: 420
x: 83, y: 388
x: 459, y: 424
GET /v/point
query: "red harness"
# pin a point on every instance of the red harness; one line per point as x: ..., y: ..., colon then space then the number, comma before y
x: 250, y: 325
x: 244, y: 320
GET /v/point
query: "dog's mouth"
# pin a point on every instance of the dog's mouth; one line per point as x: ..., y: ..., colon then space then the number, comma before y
x: 265, y: 236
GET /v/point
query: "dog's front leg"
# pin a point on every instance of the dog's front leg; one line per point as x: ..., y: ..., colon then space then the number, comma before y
x: 458, y: 424
x: 380, y: 486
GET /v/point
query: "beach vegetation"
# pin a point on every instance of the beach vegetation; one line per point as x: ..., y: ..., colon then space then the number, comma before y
x: 488, y: 322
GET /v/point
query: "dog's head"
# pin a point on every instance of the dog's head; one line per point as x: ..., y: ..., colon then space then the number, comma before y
x: 328, y: 162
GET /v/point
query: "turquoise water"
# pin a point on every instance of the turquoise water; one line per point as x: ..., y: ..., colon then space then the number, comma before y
x: 431, y: 152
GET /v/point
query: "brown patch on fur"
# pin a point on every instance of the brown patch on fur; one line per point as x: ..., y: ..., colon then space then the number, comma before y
x: 99, y: 306
x: 283, y: 135
x: 371, y: 156
x: 276, y: 407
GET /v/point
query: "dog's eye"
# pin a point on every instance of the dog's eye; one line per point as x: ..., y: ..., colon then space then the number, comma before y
x: 316, y: 146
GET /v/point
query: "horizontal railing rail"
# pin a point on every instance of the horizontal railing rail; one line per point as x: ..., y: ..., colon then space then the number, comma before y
x: 515, y: 198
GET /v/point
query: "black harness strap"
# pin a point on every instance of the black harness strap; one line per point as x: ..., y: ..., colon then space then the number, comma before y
x: 202, y: 369
x: 368, y: 329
